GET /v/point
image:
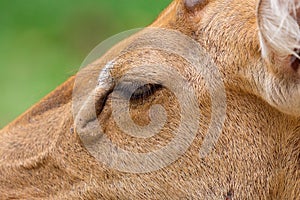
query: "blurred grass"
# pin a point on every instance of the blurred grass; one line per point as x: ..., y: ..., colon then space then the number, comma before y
x: 43, y: 42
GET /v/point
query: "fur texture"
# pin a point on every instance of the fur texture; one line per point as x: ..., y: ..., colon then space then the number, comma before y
x: 256, y: 157
x: 279, y: 28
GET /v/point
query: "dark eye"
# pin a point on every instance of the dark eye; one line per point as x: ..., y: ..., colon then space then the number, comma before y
x: 137, y: 90
x: 145, y: 91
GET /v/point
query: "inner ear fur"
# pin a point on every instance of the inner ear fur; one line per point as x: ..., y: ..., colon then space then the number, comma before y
x: 278, y: 27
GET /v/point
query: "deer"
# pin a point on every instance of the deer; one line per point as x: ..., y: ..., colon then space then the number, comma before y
x: 52, y: 152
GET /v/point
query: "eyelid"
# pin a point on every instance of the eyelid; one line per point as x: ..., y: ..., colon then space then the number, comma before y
x: 136, y: 90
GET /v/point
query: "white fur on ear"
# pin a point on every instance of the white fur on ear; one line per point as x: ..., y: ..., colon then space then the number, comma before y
x: 278, y: 27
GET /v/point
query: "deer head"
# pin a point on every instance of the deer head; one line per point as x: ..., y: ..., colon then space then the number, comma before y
x: 241, y: 54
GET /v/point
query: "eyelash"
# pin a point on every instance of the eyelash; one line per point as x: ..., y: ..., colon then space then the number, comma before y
x: 143, y: 91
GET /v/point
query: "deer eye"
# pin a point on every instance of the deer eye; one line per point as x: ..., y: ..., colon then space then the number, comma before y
x: 137, y: 90
x: 145, y: 91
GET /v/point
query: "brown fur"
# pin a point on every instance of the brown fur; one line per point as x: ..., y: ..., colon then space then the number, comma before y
x: 256, y: 157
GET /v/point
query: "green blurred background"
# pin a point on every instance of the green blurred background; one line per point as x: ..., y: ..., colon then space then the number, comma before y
x: 43, y: 42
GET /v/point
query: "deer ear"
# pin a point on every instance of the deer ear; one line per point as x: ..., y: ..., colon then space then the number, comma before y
x: 278, y: 22
x: 193, y: 4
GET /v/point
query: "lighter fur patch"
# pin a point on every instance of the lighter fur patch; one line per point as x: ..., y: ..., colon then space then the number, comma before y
x: 105, y: 75
x: 279, y: 30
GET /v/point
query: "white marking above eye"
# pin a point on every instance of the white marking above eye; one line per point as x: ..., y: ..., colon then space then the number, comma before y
x: 105, y: 75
